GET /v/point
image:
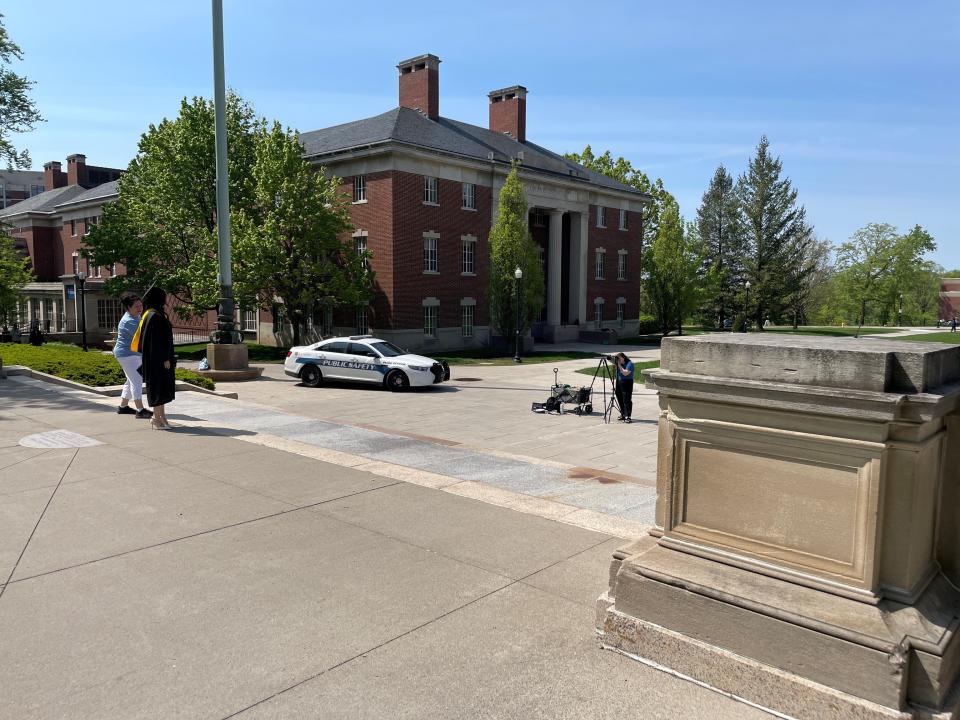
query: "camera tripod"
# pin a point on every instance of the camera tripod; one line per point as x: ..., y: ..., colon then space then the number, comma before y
x: 607, y: 373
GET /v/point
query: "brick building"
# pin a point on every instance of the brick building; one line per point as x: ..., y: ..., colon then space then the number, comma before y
x: 424, y: 190
x: 949, y: 298
x: 17, y: 185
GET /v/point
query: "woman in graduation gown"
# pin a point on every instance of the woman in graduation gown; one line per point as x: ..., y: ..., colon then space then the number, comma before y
x: 156, y: 344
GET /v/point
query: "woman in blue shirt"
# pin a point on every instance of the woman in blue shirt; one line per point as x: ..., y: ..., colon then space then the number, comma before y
x: 129, y: 360
x: 624, y: 387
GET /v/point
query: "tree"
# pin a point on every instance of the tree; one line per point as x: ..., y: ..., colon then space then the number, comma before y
x: 622, y: 170
x: 163, y: 225
x: 777, y: 234
x: 288, y: 243
x: 811, y: 275
x: 674, y: 261
x: 14, y: 274
x: 18, y: 114
x: 720, y: 227
x: 511, y: 246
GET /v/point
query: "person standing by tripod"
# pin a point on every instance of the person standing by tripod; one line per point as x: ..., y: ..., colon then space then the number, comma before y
x: 624, y: 387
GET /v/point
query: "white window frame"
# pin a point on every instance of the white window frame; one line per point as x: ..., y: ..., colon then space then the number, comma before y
x: 621, y: 265
x: 359, y: 189
x: 113, y: 270
x: 360, y: 243
x: 431, y: 317
x: 469, y: 196
x: 431, y: 190
x: 623, y: 220
x: 73, y: 228
x: 363, y: 325
x: 468, y: 255
x: 598, y: 304
x: 601, y: 216
x: 75, y: 259
x: 96, y: 271
x: 467, y: 317
x: 250, y: 321
x: 599, y: 264
x: 621, y: 311
x: 431, y: 253
x: 87, y: 224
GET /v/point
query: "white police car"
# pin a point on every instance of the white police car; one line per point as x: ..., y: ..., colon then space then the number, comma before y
x: 363, y: 358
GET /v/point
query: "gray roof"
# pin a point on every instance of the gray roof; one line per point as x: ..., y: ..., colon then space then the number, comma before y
x: 100, y: 192
x: 45, y: 202
x: 407, y: 126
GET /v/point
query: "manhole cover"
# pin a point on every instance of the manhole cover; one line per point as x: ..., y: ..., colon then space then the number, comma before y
x: 58, y: 439
x: 469, y: 379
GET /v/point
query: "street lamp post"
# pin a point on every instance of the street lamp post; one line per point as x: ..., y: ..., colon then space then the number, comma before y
x: 81, y: 279
x: 518, y: 274
x: 746, y: 308
x: 900, y: 312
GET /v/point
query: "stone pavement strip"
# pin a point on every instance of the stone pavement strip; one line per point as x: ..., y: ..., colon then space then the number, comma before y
x: 191, y: 574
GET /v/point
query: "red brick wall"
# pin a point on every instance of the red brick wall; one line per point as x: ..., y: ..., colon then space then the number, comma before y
x: 420, y: 90
x: 949, y: 306
x: 411, y: 218
x: 510, y: 116
x: 42, y: 248
x: 613, y: 239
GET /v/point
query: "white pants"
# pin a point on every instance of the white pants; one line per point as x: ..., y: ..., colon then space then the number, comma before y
x: 133, y: 387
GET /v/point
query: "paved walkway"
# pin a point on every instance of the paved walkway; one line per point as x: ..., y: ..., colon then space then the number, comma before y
x: 191, y: 574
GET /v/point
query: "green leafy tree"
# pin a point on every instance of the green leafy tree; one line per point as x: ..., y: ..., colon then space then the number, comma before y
x: 811, y: 275
x: 18, y: 114
x: 511, y: 246
x: 14, y: 274
x: 289, y: 241
x: 720, y: 226
x: 163, y: 225
x: 908, y: 277
x: 776, y: 232
x: 674, y: 262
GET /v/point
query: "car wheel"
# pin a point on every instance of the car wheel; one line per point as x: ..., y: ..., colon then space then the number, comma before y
x: 311, y: 375
x: 397, y: 381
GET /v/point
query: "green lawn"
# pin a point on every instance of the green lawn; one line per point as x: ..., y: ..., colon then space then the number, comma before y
x: 846, y: 331
x: 941, y: 337
x: 488, y: 357
x: 637, y: 368
x: 256, y: 353
x: 71, y: 363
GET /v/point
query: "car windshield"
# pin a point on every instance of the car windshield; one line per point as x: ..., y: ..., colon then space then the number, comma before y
x: 387, y: 349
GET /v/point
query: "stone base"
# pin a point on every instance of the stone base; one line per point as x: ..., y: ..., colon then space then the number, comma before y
x: 233, y: 356
x: 799, y: 651
x: 250, y: 373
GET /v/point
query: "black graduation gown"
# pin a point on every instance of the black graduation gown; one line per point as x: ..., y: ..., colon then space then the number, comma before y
x: 156, y: 343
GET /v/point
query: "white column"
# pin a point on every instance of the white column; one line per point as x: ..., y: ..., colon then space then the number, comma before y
x: 582, y: 268
x: 554, y: 266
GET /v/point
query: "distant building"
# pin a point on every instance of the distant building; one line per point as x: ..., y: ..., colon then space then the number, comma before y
x: 949, y: 298
x: 17, y: 185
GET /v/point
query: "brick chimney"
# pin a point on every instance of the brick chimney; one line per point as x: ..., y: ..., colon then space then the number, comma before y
x: 53, y: 176
x: 508, y: 112
x: 420, y: 84
x: 77, y: 169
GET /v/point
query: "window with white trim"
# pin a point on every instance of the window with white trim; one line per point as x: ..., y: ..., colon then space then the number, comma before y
x: 96, y: 271
x: 598, y: 313
x: 360, y: 244
x: 468, y: 252
x: 75, y: 258
x: 601, y: 216
x: 431, y: 194
x: 469, y: 196
x: 598, y: 264
x: 621, y: 265
x: 623, y: 220
x: 431, y: 317
x: 73, y: 228
x: 430, y: 258
x: 108, y: 314
x: 363, y: 326
x: 249, y: 320
x: 87, y: 224
x: 360, y: 188
x: 466, y: 320
x: 113, y: 270
x: 621, y: 308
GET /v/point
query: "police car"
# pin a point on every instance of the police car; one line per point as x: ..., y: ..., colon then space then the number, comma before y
x: 363, y: 358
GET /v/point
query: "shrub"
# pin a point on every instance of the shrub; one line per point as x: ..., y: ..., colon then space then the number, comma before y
x: 648, y: 325
x: 71, y: 363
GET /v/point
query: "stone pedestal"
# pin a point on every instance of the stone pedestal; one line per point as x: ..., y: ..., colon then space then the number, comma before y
x: 229, y: 363
x: 807, y: 525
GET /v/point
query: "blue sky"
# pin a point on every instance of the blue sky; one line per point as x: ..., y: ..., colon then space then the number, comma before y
x: 859, y: 99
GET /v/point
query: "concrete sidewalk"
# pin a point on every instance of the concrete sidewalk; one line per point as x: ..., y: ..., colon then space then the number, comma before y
x: 190, y: 574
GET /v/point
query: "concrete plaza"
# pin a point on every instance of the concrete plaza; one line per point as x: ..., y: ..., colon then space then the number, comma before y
x: 202, y: 573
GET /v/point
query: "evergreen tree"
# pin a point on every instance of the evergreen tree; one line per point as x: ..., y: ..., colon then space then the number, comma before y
x: 511, y: 246
x: 720, y: 226
x: 776, y: 235
x: 18, y: 113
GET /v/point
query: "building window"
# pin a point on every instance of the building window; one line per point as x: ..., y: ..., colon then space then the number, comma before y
x: 73, y: 228
x: 541, y: 256
x: 75, y: 258
x: 360, y: 244
x: 468, y: 255
x: 430, y: 263
x: 87, y: 224
x: 96, y: 271
x: 362, y: 326
x: 539, y: 218
x: 430, y: 193
x: 466, y: 320
x: 621, y: 305
x: 279, y: 320
x: 108, y: 314
x: 35, y: 190
x: 360, y: 188
x: 599, y: 264
x: 623, y: 219
x: 249, y: 320
x: 113, y: 270
x: 431, y: 313
x: 601, y: 216
x: 598, y: 313
x: 48, y: 315
x: 622, y: 265
x: 469, y: 196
